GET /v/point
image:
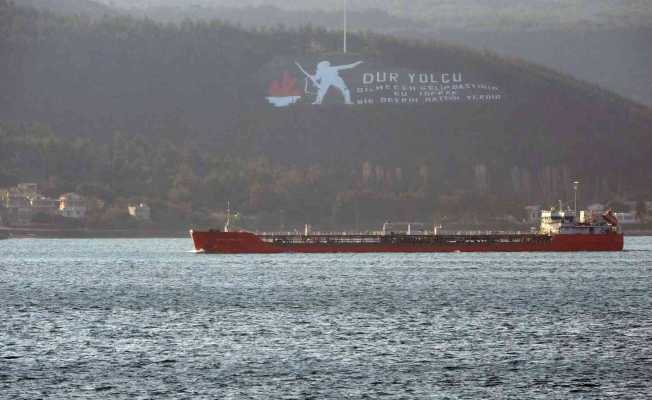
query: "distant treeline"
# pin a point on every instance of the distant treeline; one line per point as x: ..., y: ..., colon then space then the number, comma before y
x: 184, y: 184
x: 193, y: 128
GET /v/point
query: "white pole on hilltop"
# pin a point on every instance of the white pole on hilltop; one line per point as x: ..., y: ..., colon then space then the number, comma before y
x: 345, y: 26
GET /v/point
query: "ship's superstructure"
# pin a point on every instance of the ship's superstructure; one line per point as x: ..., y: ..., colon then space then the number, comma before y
x: 569, y: 223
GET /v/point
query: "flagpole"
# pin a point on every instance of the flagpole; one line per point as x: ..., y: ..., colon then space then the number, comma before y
x: 345, y: 26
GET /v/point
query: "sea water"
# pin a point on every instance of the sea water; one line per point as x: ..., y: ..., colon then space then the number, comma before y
x: 147, y: 318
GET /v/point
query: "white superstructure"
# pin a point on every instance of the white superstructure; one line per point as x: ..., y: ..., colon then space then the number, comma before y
x: 561, y: 222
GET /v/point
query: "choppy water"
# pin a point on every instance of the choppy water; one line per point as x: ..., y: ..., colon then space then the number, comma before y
x: 148, y: 319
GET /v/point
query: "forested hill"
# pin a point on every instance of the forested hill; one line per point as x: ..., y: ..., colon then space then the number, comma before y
x: 177, y: 115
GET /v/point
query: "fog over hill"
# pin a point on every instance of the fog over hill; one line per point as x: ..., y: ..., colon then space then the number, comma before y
x: 600, y: 41
x: 467, y: 14
x: 93, y: 8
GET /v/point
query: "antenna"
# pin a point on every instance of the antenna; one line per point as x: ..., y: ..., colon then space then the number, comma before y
x: 345, y: 25
x: 576, y: 185
x: 228, y: 216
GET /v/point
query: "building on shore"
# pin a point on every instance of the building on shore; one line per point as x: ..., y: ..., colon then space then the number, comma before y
x: 533, y: 213
x: 17, y: 209
x: 19, y: 205
x: 44, y: 205
x: 141, y: 212
x: 72, y: 205
x: 647, y: 206
x: 29, y: 190
x: 596, y: 208
x: 627, y: 218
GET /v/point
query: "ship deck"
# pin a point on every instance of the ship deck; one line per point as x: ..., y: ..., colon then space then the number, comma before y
x: 399, y: 239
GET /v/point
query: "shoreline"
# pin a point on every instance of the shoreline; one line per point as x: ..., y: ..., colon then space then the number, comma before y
x: 55, y: 233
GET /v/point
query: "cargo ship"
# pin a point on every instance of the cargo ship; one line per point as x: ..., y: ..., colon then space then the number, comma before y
x: 559, y: 231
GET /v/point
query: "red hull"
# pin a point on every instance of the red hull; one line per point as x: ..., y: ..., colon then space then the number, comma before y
x: 245, y: 242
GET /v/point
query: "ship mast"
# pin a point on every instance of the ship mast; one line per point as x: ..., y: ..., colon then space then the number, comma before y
x: 228, y: 216
x: 576, y: 185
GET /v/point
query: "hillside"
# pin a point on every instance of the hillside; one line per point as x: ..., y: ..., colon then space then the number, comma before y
x: 602, y: 42
x: 459, y: 14
x: 178, y: 116
x: 606, y: 43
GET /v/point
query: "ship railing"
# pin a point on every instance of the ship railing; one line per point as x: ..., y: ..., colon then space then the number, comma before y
x: 403, y: 239
x: 321, y: 239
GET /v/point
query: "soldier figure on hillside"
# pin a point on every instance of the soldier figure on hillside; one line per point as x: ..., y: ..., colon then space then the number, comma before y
x: 328, y: 75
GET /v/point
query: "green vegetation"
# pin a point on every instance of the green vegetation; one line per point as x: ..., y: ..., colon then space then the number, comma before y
x: 122, y: 110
